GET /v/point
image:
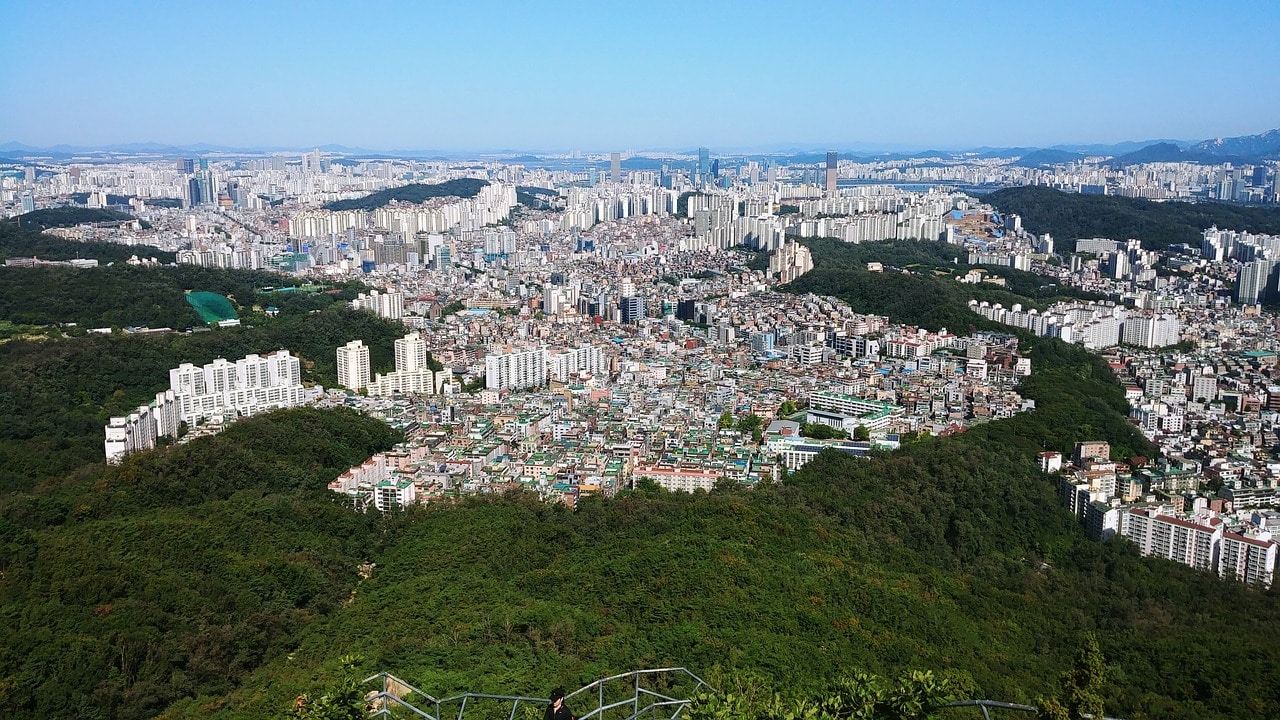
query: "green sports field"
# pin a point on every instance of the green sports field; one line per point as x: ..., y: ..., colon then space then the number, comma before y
x: 212, y: 307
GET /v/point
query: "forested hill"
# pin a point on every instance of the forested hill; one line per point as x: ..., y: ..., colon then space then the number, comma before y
x: 218, y: 579
x: 27, y: 241
x: 416, y: 193
x: 1070, y: 216
x: 67, y: 217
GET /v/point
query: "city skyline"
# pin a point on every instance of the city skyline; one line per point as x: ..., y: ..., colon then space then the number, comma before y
x: 745, y: 76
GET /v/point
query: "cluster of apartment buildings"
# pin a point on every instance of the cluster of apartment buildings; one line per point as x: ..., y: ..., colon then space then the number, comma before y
x: 1113, y: 499
x: 1093, y: 325
x: 217, y: 392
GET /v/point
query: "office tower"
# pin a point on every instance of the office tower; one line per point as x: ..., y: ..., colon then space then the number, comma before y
x: 702, y: 168
x: 353, y: 365
x: 833, y: 159
x: 1259, y: 175
x: 187, y: 166
x: 29, y: 174
x: 687, y: 310
x: 631, y: 308
x: 615, y: 167
x: 28, y: 202
x: 194, y: 193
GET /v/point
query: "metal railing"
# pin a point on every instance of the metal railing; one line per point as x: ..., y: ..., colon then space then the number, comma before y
x: 663, y: 693
x: 986, y: 706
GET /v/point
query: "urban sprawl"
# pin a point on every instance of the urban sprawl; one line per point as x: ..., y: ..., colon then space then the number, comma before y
x: 576, y: 327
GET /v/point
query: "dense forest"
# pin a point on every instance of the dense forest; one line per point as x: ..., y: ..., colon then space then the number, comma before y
x: 1070, y: 216
x: 178, y: 573
x: 131, y: 296
x: 218, y: 578
x: 67, y: 217
x: 917, y: 285
x: 16, y: 241
x: 415, y: 193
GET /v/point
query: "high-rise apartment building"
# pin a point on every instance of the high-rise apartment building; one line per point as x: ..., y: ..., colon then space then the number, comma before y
x: 389, y: 305
x: 515, y: 369
x: 353, y: 365
x: 615, y: 167
x: 1190, y: 543
x: 1248, y: 559
x: 411, y: 352
x: 245, y: 387
x: 1255, y: 282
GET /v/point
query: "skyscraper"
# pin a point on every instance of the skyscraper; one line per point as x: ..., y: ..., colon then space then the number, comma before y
x: 615, y: 167
x: 833, y: 159
x: 702, y: 168
x: 631, y: 308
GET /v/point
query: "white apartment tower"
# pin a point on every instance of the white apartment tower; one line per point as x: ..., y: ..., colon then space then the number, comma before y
x: 1250, y: 560
x: 515, y: 369
x: 411, y: 352
x: 245, y: 387
x: 353, y: 365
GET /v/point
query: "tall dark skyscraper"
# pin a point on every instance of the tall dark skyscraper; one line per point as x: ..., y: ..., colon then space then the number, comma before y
x: 702, y: 169
x: 833, y: 159
x: 187, y: 166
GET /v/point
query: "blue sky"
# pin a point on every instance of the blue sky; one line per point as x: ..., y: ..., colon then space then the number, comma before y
x: 635, y: 75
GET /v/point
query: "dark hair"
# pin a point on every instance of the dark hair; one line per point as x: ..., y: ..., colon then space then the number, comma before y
x: 557, y: 694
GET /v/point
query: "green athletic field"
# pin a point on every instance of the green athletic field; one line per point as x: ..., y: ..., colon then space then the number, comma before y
x: 212, y: 307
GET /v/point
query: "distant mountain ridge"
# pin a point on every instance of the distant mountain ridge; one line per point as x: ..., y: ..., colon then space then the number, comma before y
x: 1245, y: 149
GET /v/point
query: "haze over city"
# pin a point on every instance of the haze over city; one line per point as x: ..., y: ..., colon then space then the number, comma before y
x: 664, y: 75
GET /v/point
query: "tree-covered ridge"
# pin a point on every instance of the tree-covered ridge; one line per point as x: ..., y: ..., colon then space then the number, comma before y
x: 1070, y: 216
x: 24, y: 241
x: 67, y: 217
x: 57, y: 394
x: 177, y: 573
x: 415, y: 193
x: 131, y: 296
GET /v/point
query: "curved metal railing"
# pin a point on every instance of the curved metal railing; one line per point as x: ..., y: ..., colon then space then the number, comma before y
x: 662, y: 693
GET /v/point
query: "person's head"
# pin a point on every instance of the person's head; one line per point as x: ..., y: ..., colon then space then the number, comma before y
x: 557, y: 697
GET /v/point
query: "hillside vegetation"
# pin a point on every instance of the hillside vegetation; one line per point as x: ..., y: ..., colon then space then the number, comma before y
x: 216, y: 579
x: 1070, y: 216
x: 415, y: 193
x: 25, y: 241
x: 68, y: 217
x: 179, y: 572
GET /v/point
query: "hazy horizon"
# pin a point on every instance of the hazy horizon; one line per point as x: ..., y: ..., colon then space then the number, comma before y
x: 739, y: 77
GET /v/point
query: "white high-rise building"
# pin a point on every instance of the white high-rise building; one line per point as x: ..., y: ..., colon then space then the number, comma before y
x: 1248, y: 559
x: 566, y: 363
x: 515, y: 369
x: 1190, y: 543
x: 353, y: 365
x: 411, y: 352
x: 389, y: 305
x: 248, y: 386
x: 1152, y: 331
